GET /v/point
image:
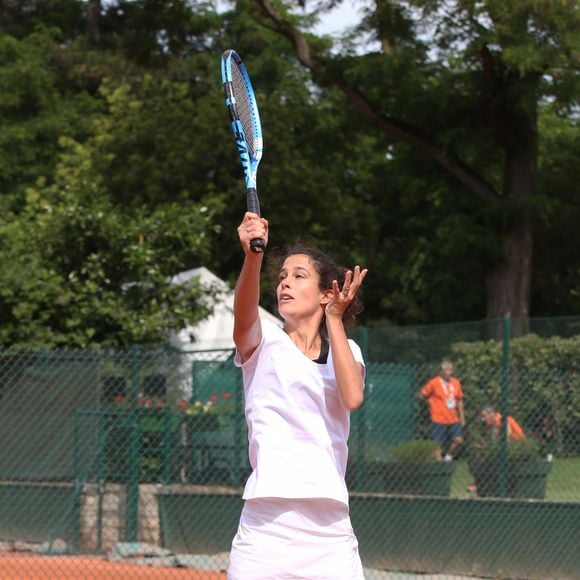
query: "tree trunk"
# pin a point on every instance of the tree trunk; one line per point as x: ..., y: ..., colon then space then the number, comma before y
x: 508, y: 281
x: 93, y: 17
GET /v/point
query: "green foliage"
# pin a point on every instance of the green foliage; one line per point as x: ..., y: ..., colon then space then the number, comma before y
x: 557, y: 280
x: 83, y: 270
x: 107, y: 200
x: 117, y: 163
x: 35, y: 111
x: 530, y: 352
x: 157, y: 142
x: 466, y: 80
x: 524, y: 450
x: 152, y: 33
x: 416, y: 451
x: 517, y: 451
x: 544, y: 383
x: 20, y: 18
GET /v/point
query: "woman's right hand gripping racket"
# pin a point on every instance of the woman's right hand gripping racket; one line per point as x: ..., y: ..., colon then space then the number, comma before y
x: 241, y: 103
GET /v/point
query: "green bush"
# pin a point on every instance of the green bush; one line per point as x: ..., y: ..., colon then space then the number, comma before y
x: 531, y: 352
x: 518, y: 451
x: 544, y: 384
x: 524, y: 450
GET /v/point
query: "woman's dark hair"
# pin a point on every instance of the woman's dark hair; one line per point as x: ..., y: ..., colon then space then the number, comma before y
x: 327, y: 269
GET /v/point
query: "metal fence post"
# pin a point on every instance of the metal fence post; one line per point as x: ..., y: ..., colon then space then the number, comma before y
x: 167, y: 445
x: 132, y: 522
x: 103, y: 425
x: 238, y: 419
x: 360, y: 478
x: 77, y: 477
x: 505, y: 388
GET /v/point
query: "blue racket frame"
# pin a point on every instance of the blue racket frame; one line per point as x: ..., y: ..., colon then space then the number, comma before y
x: 250, y: 147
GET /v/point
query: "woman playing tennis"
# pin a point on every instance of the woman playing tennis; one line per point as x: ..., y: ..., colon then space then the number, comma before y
x: 300, y: 384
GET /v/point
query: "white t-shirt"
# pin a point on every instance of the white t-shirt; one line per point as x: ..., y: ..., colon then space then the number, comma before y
x: 297, y: 427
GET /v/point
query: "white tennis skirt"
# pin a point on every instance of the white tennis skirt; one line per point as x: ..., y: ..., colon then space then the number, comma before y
x: 306, y: 539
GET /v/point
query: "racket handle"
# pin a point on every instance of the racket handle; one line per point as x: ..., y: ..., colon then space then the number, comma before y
x: 257, y: 245
x: 252, y: 202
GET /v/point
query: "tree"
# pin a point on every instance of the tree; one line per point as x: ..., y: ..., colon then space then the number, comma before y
x: 305, y: 167
x: 477, y: 86
x: 153, y: 32
x: 20, y: 18
x: 79, y: 269
x: 556, y: 288
x: 89, y: 240
x: 118, y: 169
x: 35, y: 110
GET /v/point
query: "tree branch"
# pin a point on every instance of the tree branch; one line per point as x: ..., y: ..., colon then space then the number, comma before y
x: 392, y: 128
x: 300, y: 43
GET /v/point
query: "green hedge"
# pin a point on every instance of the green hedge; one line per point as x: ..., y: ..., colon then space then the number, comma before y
x: 530, y: 352
x: 544, y: 383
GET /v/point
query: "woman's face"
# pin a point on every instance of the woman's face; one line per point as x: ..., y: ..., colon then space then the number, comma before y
x: 298, y: 292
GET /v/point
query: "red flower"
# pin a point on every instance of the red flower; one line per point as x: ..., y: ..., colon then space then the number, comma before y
x: 148, y: 402
x: 227, y: 395
x: 213, y: 398
x: 160, y: 404
x: 182, y: 404
x: 120, y: 400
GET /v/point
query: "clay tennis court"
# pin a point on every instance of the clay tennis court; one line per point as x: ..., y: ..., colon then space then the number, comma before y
x: 35, y: 567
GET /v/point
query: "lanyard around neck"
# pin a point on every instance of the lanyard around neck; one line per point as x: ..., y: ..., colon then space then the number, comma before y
x: 448, y: 387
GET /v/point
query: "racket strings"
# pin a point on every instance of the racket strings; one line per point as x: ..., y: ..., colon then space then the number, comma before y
x: 245, y: 107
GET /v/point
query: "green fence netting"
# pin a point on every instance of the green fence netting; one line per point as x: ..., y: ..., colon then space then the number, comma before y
x: 140, y: 455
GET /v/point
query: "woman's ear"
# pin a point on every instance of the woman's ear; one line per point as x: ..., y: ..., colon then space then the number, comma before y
x: 326, y: 296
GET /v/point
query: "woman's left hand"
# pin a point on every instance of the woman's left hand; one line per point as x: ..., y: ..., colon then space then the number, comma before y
x: 341, y: 299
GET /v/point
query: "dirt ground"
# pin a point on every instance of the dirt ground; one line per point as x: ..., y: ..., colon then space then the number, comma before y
x: 35, y: 567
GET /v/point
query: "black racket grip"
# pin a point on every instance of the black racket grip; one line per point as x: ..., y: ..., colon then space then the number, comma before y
x: 257, y: 245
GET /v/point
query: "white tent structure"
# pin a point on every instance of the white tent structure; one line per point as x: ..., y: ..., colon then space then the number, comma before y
x: 216, y: 331
x: 210, y: 340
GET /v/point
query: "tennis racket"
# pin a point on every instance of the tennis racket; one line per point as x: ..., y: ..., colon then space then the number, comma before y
x: 243, y: 109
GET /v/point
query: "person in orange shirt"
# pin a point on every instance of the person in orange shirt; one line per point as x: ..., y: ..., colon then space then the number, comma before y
x: 444, y: 395
x: 492, y: 420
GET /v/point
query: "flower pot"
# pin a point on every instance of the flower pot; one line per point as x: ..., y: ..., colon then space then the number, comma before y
x: 367, y: 477
x: 436, y: 477
x: 525, y: 478
x: 402, y: 478
x: 529, y: 479
x: 431, y: 478
x: 486, y: 476
x: 202, y: 423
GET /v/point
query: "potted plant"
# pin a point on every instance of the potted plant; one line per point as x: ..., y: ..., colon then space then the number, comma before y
x: 163, y: 429
x: 527, y: 470
x: 413, y: 469
x: 211, y: 442
x: 367, y: 472
x: 212, y: 415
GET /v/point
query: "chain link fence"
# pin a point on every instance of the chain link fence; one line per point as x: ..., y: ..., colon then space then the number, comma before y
x: 140, y: 455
